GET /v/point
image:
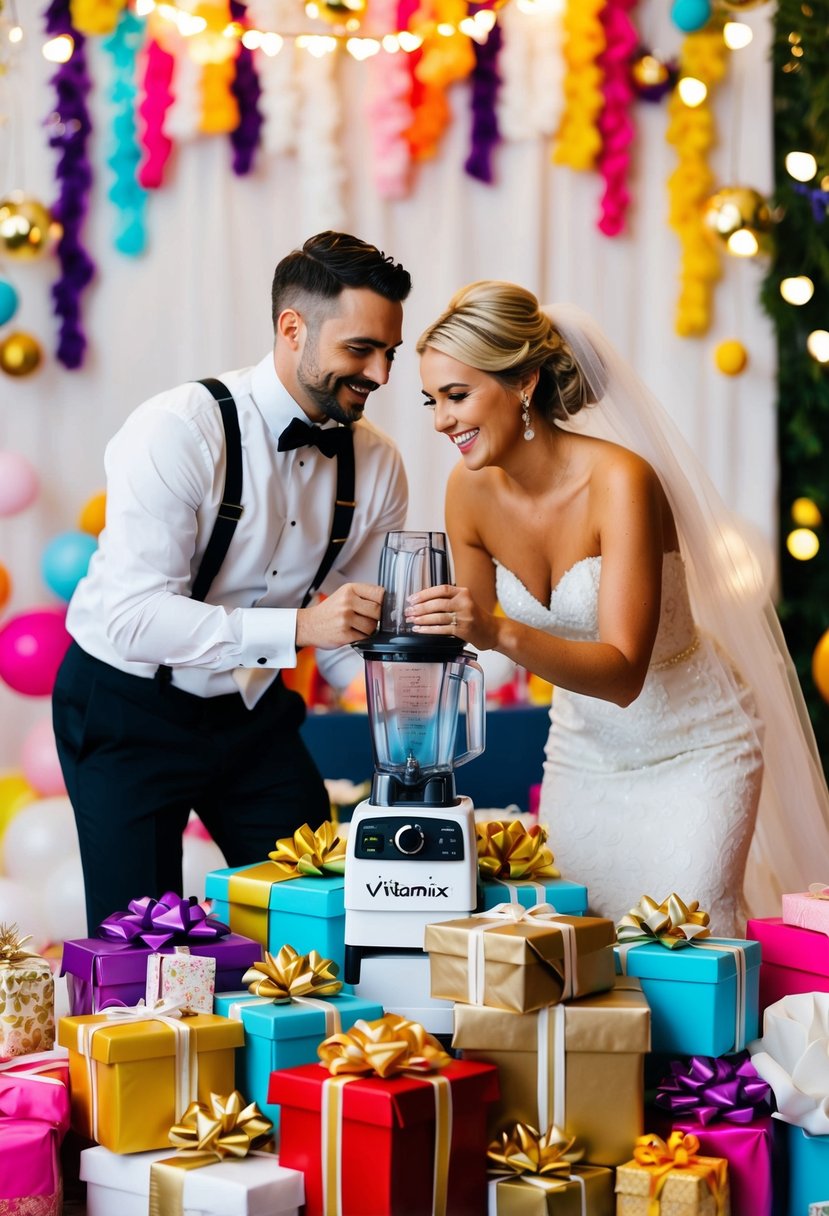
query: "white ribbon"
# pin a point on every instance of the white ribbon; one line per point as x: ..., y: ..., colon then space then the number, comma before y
x: 538, y: 888
x: 36, y: 1062
x: 492, y: 1189
x: 333, y: 1023
x: 186, y: 1060
x: 515, y: 913
x: 552, y: 1060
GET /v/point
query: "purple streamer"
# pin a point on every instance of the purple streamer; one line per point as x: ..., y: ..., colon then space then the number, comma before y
x: 155, y: 922
x: 712, y: 1089
x: 71, y: 128
x: 247, y: 91
x: 485, y: 82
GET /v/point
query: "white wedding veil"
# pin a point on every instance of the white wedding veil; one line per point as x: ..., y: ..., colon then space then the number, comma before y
x: 731, y: 601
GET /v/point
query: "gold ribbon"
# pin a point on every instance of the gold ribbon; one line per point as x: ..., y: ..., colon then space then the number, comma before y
x: 12, y: 953
x: 306, y: 854
x: 671, y: 923
x: 522, y: 1149
x: 679, y: 1152
x: 292, y: 975
x: 388, y: 1046
x: 205, y: 1134
x: 508, y: 850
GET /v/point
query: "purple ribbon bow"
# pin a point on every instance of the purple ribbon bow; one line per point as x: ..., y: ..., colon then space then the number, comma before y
x: 159, y: 921
x: 712, y: 1089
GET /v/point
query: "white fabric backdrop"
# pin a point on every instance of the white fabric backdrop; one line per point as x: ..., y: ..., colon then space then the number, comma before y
x: 197, y: 303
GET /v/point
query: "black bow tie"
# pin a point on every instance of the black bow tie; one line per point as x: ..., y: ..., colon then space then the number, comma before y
x: 298, y: 434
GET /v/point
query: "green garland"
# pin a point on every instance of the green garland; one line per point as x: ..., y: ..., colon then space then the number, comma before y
x: 801, y: 123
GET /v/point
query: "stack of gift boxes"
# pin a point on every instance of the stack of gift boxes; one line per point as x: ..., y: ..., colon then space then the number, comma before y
x: 594, y: 1068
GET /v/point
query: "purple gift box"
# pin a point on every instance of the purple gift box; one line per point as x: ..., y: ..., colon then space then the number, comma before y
x: 112, y: 969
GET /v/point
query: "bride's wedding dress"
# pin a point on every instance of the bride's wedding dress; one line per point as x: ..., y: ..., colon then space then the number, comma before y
x: 660, y: 796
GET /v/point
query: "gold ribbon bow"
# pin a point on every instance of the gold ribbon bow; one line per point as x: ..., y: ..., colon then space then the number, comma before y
x: 388, y: 1046
x: 291, y: 975
x: 818, y: 890
x: 671, y: 923
x: 12, y: 953
x: 308, y: 852
x: 522, y: 1149
x: 679, y: 1152
x: 508, y: 850
x: 225, y: 1127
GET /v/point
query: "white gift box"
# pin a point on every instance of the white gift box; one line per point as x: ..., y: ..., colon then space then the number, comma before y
x: 401, y: 983
x: 254, y: 1186
x: 183, y: 977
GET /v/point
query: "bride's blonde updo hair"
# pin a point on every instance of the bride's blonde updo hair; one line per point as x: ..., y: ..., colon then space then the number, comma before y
x: 499, y: 328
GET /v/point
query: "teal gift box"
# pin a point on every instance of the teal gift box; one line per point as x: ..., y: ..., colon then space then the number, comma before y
x: 282, y: 1036
x: 306, y: 913
x: 808, y: 1169
x: 704, y: 997
x: 569, y: 898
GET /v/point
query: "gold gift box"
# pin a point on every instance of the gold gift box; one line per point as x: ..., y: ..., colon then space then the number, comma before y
x: 556, y: 1197
x: 27, y: 1007
x: 135, y: 1071
x: 606, y: 1037
x: 523, y: 960
x: 686, y: 1191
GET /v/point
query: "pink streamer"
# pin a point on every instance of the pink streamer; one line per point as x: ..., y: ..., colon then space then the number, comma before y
x: 158, y: 97
x: 615, y: 122
x: 390, y: 111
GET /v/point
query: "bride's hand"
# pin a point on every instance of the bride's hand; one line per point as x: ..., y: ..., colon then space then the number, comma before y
x: 450, y: 611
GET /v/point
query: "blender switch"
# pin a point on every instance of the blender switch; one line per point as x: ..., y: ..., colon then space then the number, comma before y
x: 409, y: 839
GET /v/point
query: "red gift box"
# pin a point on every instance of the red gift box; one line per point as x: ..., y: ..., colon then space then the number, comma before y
x: 793, y: 959
x: 387, y: 1148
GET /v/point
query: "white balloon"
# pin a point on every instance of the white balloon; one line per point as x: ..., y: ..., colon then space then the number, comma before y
x: 40, y: 837
x: 199, y: 857
x: 498, y: 669
x: 20, y: 904
x: 63, y: 903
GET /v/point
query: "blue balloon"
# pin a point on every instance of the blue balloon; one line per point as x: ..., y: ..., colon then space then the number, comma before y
x: 65, y: 561
x: 690, y: 15
x: 9, y: 301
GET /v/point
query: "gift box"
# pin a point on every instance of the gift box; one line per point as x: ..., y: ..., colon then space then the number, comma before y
x: 696, y: 1186
x: 100, y: 973
x: 182, y: 977
x: 534, y: 1196
x: 568, y: 898
x: 704, y: 997
x: 577, y: 1066
x: 34, y: 1117
x: 807, y: 909
x: 752, y: 1154
x: 808, y: 1169
x: 387, y: 1138
x: 27, y: 997
x: 516, y: 865
x: 254, y: 1186
x: 793, y: 959
x: 519, y: 959
x: 133, y: 1075
x: 282, y: 1036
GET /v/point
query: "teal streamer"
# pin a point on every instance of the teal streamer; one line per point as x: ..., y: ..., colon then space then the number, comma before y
x: 126, y: 193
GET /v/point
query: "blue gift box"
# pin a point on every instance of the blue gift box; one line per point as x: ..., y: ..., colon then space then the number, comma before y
x: 693, y: 992
x: 808, y: 1169
x: 569, y: 898
x: 281, y: 1036
x: 306, y: 913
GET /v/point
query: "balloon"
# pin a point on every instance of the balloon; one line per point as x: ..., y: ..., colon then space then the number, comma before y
x: 731, y: 357
x: 18, y: 483
x: 63, y: 903
x: 65, y: 560
x: 199, y: 857
x: 690, y: 15
x: 39, y: 838
x: 20, y: 354
x: 820, y: 666
x: 20, y: 904
x: 9, y: 301
x: 15, y: 792
x: 26, y: 227
x: 5, y: 585
x: 32, y: 646
x: 91, y: 518
x: 39, y: 759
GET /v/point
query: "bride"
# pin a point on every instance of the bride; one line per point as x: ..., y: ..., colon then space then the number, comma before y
x: 577, y: 508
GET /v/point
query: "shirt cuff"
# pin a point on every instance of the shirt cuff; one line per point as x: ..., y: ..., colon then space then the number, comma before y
x: 268, y: 638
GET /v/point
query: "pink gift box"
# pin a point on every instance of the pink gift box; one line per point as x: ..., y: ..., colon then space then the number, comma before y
x: 793, y: 960
x: 181, y: 976
x: 806, y: 911
x: 750, y: 1151
x: 34, y: 1117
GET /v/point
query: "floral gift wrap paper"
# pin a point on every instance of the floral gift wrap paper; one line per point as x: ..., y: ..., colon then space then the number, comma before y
x: 182, y: 977
x: 670, y: 1178
x: 27, y: 997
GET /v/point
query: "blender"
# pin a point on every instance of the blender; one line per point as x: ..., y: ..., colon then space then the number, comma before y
x: 411, y: 851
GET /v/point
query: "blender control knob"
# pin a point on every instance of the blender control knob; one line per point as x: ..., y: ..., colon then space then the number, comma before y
x: 409, y: 839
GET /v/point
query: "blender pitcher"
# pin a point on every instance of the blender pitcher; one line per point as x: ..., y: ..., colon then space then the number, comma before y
x: 410, y: 561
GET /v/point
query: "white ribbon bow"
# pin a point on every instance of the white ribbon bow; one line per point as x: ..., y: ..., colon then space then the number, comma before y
x: 515, y: 913
x: 793, y: 1058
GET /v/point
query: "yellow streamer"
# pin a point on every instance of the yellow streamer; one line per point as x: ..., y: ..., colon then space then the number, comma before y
x: 507, y: 850
x: 94, y: 17
x: 291, y: 975
x: 385, y: 1047
x: 578, y: 141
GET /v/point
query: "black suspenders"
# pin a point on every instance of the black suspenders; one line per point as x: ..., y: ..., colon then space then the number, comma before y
x: 231, y: 509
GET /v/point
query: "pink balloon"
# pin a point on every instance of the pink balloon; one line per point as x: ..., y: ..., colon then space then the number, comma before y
x: 39, y: 760
x: 19, y: 483
x: 32, y: 645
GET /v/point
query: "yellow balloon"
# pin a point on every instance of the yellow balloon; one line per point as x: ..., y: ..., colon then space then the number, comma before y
x: 26, y: 226
x: 91, y: 518
x: 20, y: 354
x: 731, y: 357
x: 15, y: 793
x: 820, y: 666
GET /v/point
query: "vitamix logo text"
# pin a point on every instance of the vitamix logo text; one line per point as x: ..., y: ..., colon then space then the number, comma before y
x: 397, y: 890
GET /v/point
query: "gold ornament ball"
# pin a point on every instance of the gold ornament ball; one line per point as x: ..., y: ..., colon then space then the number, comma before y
x: 20, y: 354
x: 26, y: 226
x: 820, y: 666
x: 739, y: 6
x: 731, y: 357
x: 736, y: 207
x: 648, y: 72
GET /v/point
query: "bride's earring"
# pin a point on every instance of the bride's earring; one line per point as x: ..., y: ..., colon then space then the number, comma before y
x: 529, y: 433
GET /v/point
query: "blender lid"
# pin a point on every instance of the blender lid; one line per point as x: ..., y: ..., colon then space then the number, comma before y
x: 412, y: 647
